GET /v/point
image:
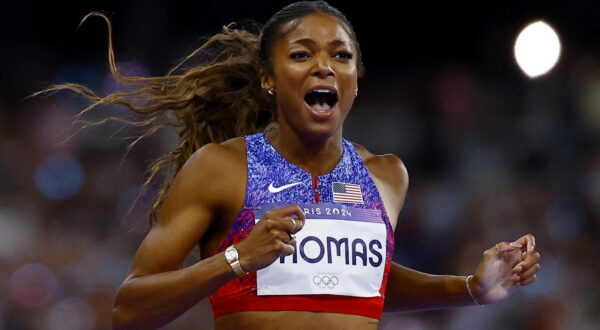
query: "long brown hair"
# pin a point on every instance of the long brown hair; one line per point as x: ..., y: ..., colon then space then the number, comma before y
x: 210, y: 102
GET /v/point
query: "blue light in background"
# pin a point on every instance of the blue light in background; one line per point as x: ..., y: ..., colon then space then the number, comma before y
x: 84, y: 75
x: 59, y: 176
x: 81, y: 74
x: 133, y: 206
x: 565, y: 220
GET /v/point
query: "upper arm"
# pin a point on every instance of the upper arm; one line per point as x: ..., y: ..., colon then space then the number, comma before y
x: 391, y: 179
x: 200, y: 189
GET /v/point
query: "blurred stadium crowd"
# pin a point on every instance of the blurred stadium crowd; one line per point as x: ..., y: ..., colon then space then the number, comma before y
x: 491, y: 154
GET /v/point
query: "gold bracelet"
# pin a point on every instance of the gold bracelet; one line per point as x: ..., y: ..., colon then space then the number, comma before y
x: 467, y: 280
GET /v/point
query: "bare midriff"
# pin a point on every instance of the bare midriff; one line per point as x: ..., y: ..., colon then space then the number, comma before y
x: 292, y: 320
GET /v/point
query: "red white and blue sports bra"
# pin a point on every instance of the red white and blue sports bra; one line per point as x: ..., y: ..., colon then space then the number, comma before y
x: 343, y: 253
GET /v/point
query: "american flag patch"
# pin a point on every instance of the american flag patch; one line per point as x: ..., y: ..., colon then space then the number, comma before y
x: 347, y: 193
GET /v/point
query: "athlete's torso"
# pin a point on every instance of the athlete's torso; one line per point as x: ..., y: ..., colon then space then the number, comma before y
x: 271, y: 179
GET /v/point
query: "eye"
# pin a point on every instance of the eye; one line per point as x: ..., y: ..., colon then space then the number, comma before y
x: 299, y: 55
x: 344, y: 55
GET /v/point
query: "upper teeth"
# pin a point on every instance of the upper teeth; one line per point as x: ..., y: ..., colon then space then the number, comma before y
x: 322, y: 90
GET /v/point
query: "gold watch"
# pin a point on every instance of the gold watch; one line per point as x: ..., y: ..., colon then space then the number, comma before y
x: 233, y: 259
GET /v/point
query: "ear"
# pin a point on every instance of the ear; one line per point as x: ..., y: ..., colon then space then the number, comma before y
x: 266, y: 81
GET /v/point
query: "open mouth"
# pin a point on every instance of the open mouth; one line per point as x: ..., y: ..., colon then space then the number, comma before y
x: 321, y: 99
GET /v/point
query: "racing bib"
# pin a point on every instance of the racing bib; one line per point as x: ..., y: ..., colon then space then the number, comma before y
x: 341, y: 250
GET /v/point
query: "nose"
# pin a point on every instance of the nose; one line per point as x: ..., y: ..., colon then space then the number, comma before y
x: 323, y: 67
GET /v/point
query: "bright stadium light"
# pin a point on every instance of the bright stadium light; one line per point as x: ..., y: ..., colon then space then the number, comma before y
x: 537, y: 49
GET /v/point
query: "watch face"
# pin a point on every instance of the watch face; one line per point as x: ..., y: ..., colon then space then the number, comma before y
x: 231, y: 255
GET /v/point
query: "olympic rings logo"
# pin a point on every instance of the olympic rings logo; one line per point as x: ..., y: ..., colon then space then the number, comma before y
x: 325, y: 281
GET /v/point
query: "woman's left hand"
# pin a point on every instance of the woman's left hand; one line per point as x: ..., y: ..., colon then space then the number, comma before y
x: 503, y: 268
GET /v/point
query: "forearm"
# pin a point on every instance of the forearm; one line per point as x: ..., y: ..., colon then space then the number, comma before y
x: 410, y: 290
x: 154, y: 300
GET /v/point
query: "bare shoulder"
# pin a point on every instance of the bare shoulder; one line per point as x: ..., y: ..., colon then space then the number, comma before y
x: 388, y: 168
x: 212, y: 176
x: 215, y: 155
x: 391, y: 178
x: 216, y: 158
x: 208, y: 184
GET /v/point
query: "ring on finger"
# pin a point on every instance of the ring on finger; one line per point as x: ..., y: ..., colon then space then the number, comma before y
x: 293, y: 225
x: 498, y: 248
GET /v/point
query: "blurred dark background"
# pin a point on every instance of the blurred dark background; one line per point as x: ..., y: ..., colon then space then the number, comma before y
x: 492, y: 154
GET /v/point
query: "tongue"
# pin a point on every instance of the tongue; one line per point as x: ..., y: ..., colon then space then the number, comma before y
x: 320, y: 107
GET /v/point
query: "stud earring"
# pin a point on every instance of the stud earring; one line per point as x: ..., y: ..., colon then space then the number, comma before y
x: 271, y: 91
x: 356, y: 93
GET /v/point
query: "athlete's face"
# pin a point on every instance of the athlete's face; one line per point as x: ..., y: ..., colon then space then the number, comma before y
x: 314, y: 76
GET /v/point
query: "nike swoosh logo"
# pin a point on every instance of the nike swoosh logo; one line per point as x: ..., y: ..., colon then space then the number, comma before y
x: 273, y: 189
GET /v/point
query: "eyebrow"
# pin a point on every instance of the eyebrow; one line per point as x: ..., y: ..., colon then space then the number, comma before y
x: 311, y: 42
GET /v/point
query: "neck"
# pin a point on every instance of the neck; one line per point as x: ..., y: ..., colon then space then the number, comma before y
x: 317, y: 157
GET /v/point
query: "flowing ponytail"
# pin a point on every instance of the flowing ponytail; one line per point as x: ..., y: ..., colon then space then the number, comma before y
x: 211, y: 102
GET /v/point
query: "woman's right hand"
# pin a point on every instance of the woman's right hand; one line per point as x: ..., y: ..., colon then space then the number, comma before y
x: 270, y: 238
